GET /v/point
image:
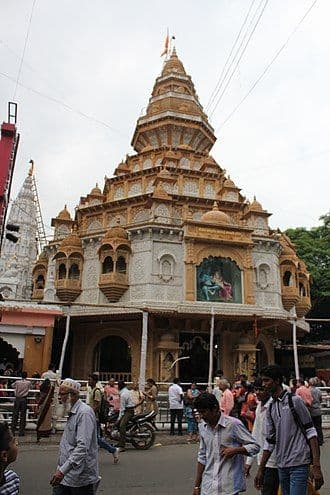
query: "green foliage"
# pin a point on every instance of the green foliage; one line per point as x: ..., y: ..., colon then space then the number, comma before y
x: 313, y: 247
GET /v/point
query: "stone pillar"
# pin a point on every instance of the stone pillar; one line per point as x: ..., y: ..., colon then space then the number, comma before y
x: 143, y: 357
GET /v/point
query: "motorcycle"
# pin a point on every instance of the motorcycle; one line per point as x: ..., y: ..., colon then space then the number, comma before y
x: 140, y: 430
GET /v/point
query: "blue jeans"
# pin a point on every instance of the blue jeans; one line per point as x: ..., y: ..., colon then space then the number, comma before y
x: 102, y: 443
x: 293, y: 480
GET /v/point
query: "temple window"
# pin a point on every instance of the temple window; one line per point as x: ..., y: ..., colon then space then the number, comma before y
x: 121, y: 265
x: 74, y: 272
x: 287, y: 279
x: 40, y: 282
x: 107, y: 265
x: 302, y: 290
x: 62, y: 271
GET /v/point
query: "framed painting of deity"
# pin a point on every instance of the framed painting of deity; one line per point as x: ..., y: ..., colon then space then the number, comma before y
x: 219, y: 280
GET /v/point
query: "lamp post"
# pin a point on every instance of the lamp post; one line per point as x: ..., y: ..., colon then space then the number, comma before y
x: 294, y: 343
x: 209, y: 382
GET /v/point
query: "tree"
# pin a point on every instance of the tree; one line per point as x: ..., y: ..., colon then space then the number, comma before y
x: 313, y: 247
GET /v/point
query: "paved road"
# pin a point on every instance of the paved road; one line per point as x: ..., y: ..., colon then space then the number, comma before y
x: 162, y: 470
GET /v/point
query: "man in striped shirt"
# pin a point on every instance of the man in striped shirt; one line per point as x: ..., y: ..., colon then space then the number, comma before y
x: 224, y: 441
x: 9, y: 481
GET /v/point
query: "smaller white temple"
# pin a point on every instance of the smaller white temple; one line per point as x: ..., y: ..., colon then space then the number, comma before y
x: 17, y: 260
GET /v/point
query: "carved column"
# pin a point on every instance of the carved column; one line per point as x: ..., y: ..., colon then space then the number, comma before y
x: 168, y: 352
x: 245, y: 359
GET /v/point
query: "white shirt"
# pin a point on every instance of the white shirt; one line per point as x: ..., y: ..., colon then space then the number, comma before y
x: 175, y: 394
x: 259, y: 433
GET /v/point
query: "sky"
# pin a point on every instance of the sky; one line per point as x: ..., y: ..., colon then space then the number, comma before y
x: 89, y: 68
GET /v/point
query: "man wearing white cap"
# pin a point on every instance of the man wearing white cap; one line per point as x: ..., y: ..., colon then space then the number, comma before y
x: 77, y: 472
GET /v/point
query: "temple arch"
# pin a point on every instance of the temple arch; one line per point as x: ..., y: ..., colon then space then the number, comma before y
x: 112, y: 356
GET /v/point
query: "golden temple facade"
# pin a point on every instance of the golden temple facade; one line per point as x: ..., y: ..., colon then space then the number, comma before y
x: 171, y: 237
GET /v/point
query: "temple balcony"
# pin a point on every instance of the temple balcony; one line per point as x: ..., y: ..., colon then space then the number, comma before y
x: 38, y: 294
x: 113, y: 285
x: 290, y: 296
x: 67, y: 289
x: 303, y: 306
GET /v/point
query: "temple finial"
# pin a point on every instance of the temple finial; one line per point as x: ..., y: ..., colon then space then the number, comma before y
x: 31, y: 168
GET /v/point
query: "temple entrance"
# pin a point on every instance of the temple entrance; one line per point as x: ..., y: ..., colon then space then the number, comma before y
x: 9, y: 355
x: 112, y: 357
x: 196, y: 348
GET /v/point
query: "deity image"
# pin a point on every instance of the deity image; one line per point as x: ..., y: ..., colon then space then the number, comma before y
x: 219, y: 279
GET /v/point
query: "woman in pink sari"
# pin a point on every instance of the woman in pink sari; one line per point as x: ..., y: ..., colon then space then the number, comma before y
x: 44, y: 423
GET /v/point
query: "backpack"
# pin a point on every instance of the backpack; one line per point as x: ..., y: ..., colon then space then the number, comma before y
x: 296, y: 418
x: 103, y: 411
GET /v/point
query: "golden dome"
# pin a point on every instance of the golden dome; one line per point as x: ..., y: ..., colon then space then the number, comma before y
x: 215, y: 215
x: 115, y: 233
x: 64, y: 214
x: 255, y: 205
x: 173, y: 65
x: 229, y: 183
x: 287, y: 247
x: 96, y: 191
x: 72, y: 240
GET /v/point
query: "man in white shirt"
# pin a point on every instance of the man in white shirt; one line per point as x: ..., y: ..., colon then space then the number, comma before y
x: 126, y: 412
x: 175, y: 397
x: 271, y: 480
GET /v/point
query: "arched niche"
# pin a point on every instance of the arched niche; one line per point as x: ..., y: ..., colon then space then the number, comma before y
x: 219, y: 279
x: 112, y: 354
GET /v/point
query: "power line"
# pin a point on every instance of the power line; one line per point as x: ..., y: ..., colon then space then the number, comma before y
x: 24, y: 49
x: 219, y: 83
x: 64, y: 105
x: 40, y: 75
x: 241, y: 55
x: 277, y: 54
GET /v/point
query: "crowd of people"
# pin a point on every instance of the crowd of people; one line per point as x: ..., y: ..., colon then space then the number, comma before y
x: 235, y: 423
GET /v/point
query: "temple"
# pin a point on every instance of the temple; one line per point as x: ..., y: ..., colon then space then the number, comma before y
x: 17, y: 259
x: 168, y: 241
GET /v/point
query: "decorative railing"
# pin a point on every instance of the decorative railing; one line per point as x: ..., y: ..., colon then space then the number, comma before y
x: 7, y: 398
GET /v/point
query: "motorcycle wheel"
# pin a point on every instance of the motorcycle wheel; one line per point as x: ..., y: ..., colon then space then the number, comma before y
x: 145, y: 442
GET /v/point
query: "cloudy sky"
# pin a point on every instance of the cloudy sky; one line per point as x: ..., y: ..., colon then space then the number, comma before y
x: 89, y: 68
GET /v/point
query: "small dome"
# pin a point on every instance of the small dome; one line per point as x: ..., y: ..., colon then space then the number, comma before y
x: 115, y: 232
x: 72, y: 240
x: 96, y: 191
x: 215, y: 215
x: 64, y: 214
x: 255, y: 205
x: 229, y: 183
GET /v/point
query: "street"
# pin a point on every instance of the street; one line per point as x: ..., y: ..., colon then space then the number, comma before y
x: 162, y: 470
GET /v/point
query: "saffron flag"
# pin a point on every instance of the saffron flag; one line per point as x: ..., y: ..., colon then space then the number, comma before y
x: 166, y: 44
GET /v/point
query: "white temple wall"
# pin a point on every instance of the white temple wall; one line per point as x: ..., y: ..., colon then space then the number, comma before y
x: 267, y: 282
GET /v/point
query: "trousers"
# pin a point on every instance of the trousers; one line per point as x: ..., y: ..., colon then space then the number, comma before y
x: 20, y: 407
x: 293, y: 480
x: 102, y: 443
x: 129, y: 413
x: 176, y: 414
x: 271, y: 482
x: 74, y: 490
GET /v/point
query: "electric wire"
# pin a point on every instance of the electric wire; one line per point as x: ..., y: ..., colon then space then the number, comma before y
x: 213, y: 94
x: 266, y: 69
x: 24, y: 49
x: 40, y: 75
x: 64, y: 105
x: 240, y: 57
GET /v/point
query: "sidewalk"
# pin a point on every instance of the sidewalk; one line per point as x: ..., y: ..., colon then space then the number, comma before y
x: 162, y: 438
